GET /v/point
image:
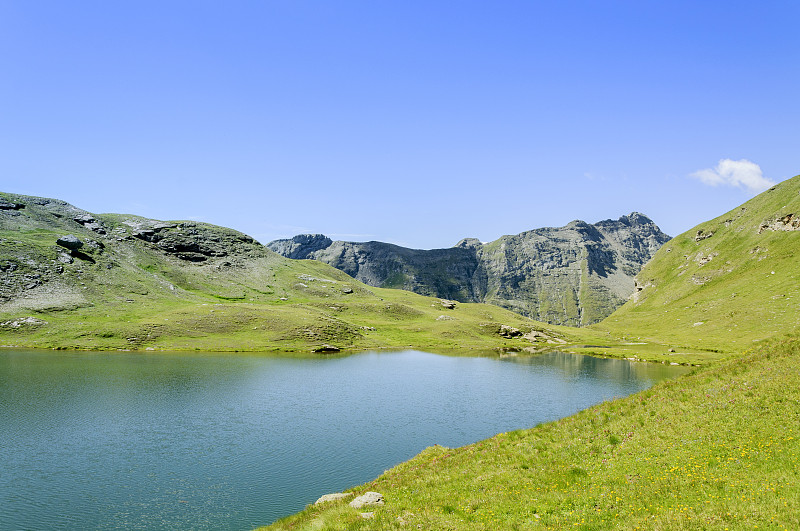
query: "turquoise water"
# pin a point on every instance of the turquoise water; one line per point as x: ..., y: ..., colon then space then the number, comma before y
x: 214, y: 441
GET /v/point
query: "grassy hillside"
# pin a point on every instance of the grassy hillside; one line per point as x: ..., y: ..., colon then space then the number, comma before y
x: 136, y: 283
x: 718, y: 449
x: 724, y: 284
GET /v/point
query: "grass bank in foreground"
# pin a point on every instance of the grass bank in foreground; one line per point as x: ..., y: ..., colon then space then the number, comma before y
x: 716, y: 449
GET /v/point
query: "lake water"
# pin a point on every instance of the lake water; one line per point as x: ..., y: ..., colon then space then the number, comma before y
x: 214, y: 441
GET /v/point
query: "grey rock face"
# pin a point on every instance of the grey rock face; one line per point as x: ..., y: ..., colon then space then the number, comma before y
x: 8, y: 205
x: 54, y: 277
x: 301, y: 245
x: 573, y: 275
x: 788, y: 222
x: 195, y: 242
x: 88, y: 221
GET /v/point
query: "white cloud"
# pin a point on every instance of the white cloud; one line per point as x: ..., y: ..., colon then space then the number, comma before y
x: 741, y: 173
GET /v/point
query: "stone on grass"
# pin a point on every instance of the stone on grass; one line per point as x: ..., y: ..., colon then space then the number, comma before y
x: 368, y: 498
x: 333, y: 497
x: 70, y: 242
x: 509, y: 331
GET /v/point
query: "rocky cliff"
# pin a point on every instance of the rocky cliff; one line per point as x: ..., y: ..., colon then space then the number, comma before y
x: 573, y: 275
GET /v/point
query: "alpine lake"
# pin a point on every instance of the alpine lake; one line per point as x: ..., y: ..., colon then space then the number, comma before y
x: 130, y: 440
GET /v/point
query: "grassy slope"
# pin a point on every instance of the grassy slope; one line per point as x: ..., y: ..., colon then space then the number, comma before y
x: 718, y: 449
x: 748, y: 291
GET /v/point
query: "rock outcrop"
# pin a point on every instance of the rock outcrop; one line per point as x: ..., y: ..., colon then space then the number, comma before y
x: 574, y: 275
x: 48, y: 242
x: 786, y: 222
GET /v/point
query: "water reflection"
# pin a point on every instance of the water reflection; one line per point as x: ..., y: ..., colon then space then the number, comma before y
x: 163, y: 441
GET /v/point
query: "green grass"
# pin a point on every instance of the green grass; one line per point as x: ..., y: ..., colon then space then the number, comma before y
x: 715, y: 449
x: 748, y: 291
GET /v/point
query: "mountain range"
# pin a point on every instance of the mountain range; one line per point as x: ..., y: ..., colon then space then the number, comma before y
x: 572, y: 275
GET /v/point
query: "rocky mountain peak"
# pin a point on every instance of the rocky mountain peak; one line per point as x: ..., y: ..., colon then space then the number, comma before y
x: 576, y: 274
x: 636, y: 218
x: 300, y: 246
x: 468, y: 243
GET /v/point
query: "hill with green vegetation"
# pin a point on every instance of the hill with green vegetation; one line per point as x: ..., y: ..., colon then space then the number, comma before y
x: 716, y: 449
x: 724, y: 284
x: 573, y: 275
x: 73, y: 279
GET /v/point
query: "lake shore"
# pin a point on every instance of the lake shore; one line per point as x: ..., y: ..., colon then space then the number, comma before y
x: 715, y: 448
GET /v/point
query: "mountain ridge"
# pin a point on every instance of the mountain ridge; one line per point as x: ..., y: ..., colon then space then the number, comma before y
x: 572, y: 275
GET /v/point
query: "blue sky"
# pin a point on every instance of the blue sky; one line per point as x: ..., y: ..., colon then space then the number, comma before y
x: 417, y: 123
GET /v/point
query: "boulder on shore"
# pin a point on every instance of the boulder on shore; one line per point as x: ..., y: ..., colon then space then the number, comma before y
x: 332, y: 497
x: 368, y: 498
x: 326, y: 349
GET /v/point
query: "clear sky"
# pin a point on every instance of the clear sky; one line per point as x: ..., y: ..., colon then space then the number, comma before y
x: 412, y: 122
